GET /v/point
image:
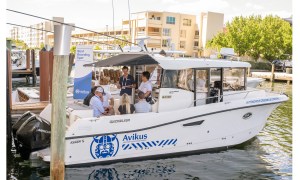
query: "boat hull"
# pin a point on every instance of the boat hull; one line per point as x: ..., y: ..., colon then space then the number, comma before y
x: 188, y: 135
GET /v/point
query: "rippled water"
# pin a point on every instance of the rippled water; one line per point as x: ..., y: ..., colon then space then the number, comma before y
x: 267, y: 156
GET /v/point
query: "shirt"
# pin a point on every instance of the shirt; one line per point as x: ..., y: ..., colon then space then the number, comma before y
x: 122, y: 109
x: 145, y: 87
x: 97, y: 106
x: 106, y: 99
x: 142, y: 107
x: 88, y: 98
x: 126, y: 82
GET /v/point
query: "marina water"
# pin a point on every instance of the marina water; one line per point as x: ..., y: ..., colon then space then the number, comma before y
x: 267, y: 156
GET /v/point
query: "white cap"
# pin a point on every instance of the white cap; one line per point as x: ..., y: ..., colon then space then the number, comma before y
x: 99, y: 89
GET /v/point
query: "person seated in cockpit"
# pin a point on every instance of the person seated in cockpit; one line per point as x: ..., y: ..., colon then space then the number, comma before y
x: 126, y: 107
x: 142, y: 106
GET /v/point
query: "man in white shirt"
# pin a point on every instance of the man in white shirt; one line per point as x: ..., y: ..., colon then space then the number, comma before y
x: 97, y: 104
x: 146, y: 85
x: 142, y: 106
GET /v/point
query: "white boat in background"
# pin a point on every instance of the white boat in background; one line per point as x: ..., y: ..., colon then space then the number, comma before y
x: 188, y: 116
x: 254, y: 82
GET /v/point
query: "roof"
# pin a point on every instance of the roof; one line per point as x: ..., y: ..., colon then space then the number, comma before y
x: 127, y: 59
x: 166, y: 62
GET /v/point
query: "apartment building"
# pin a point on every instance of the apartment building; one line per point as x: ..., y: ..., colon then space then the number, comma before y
x: 211, y: 24
x: 36, y: 35
x: 163, y: 27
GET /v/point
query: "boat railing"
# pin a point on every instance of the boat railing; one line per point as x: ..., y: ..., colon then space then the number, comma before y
x: 219, y: 96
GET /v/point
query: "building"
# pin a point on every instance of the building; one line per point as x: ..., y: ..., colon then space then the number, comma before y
x: 33, y: 36
x: 163, y: 28
x: 211, y: 24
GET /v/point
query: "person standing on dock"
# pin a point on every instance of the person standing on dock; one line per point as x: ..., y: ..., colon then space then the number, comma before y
x: 126, y: 82
x: 97, y: 103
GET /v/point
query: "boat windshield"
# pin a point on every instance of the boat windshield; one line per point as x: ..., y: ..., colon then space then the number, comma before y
x: 234, y: 79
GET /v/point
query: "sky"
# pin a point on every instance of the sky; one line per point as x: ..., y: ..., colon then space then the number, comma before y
x: 96, y: 14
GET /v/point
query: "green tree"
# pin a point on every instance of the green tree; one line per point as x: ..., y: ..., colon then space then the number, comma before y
x: 120, y: 42
x: 97, y: 47
x: 269, y: 37
x: 19, y: 43
x: 42, y: 45
x: 73, y: 49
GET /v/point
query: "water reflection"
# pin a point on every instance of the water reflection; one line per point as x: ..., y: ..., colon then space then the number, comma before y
x: 133, y: 171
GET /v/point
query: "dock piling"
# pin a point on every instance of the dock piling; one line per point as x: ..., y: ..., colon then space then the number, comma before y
x: 272, y: 73
x: 28, y: 59
x: 62, y: 36
x: 33, y: 66
x: 8, y: 95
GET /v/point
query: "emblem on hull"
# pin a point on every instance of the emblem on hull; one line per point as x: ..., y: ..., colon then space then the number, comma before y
x: 247, y: 115
x: 104, y: 146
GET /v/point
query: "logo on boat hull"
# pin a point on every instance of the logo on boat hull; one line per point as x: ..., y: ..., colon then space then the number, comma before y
x: 247, y: 115
x: 104, y: 146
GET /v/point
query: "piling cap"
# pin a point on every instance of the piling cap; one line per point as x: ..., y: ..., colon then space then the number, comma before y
x: 62, y: 39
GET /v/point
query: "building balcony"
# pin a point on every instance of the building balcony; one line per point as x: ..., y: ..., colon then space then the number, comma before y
x: 154, y: 23
x: 153, y: 45
x: 141, y: 33
x: 154, y: 33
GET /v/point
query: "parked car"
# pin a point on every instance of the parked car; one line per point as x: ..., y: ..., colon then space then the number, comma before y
x: 281, y: 65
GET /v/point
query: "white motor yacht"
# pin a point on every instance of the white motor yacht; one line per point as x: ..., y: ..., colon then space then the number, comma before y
x: 201, y: 105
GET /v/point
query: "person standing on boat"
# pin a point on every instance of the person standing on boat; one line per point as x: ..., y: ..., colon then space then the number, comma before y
x: 126, y: 82
x: 146, y: 85
x: 97, y: 103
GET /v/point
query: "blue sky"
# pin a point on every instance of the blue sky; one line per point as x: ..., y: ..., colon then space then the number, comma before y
x: 95, y: 14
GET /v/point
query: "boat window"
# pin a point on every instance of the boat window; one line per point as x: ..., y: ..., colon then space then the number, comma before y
x: 169, y: 79
x: 234, y: 79
x: 186, y: 79
x: 155, y: 74
x: 201, y: 80
x: 215, y: 77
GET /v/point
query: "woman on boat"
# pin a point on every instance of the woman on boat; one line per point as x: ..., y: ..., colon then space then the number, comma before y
x: 126, y: 107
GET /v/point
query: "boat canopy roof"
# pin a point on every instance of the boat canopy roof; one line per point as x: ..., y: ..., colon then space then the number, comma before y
x: 171, y: 63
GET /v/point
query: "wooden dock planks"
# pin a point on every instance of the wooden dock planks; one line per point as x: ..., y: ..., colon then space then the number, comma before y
x: 35, y: 107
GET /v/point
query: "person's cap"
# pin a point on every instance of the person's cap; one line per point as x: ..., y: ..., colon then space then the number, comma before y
x: 99, y: 89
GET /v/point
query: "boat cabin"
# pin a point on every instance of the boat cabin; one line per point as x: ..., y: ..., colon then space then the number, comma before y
x: 182, y: 82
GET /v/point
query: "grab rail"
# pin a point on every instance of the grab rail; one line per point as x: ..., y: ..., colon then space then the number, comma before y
x: 219, y: 96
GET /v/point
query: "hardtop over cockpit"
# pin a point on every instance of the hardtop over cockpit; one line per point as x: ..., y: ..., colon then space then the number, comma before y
x: 182, y: 82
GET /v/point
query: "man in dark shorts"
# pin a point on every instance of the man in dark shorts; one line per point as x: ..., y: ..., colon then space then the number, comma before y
x: 126, y: 82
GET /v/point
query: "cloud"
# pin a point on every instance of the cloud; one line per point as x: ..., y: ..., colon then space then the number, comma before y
x: 195, y: 7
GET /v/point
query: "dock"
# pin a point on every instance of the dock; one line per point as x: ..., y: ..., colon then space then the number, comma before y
x: 279, y: 76
x: 29, y: 71
x: 20, y: 108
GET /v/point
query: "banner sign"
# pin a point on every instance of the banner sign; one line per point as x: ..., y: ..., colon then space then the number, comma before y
x: 83, y: 75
